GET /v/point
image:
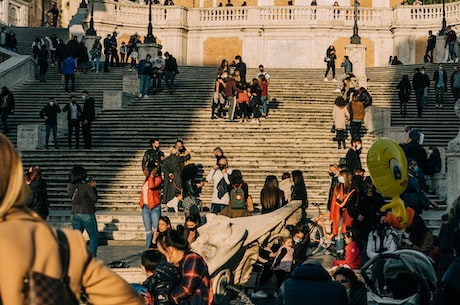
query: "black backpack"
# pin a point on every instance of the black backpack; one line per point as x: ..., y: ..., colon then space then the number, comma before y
x: 237, y: 198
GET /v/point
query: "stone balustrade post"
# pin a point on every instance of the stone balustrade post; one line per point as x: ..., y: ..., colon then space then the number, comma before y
x: 453, y: 164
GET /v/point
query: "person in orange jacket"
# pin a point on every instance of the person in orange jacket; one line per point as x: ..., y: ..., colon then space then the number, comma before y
x: 150, y: 203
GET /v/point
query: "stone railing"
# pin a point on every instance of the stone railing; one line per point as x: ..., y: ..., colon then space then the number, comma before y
x: 130, y: 14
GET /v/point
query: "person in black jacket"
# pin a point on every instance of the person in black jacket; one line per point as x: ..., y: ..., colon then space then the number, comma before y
x: 311, y: 282
x: 74, y: 113
x: 153, y: 157
x: 38, y: 196
x: 357, y: 292
x: 49, y: 114
x: 88, y: 116
x: 160, y: 277
x: 405, y: 88
x: 43, y: 61
x: 6, y: 107
x: 419, y: 82
x: 170, y: 71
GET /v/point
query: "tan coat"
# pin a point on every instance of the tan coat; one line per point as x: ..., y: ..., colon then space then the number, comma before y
x: 340, y: 116
x: 17, y: 235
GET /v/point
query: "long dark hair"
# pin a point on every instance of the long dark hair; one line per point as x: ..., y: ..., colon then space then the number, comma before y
x: 78, y: 174
x: 236, y: 178
x: 271, y: 195
x: 417, y: 230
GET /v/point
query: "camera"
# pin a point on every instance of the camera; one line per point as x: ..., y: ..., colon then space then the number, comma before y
x: 89, y: 179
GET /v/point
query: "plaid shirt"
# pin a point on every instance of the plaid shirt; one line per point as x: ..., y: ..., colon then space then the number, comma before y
x: 195, y: 285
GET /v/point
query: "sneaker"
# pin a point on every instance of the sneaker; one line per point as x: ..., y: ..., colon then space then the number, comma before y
x: 146, y: 96
x: 436, y: 106
x: 259, y: 295
x: 325, y: 79
x: 139, y: 96
x: 440, y: 105
x: 337, y: 90
x: 456, y: 60
x: 334, y: 80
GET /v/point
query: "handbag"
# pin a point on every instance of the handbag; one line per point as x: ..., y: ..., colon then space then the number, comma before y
x: 333, y: 128
x: 250, y: 204
x: 40, y: 289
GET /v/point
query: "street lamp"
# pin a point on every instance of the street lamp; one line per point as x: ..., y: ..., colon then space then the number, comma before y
x: 43, y: 13
x: 355, y: 39
x: 444, y: 24
x: 91, y: 30
x: 150, y: 38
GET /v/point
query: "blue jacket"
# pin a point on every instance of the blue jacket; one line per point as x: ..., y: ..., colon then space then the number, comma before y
x: 70, y: 65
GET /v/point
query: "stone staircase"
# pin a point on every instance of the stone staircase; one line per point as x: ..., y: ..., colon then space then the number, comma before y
x: 26, y: 35
x: 295, y: 136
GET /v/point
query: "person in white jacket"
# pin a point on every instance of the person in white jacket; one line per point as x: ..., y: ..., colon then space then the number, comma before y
x: 216, y: 175
x: 381, y: 240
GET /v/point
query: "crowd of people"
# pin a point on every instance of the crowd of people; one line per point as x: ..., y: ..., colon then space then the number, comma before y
x: 245, y: 99
x: 421, y: 85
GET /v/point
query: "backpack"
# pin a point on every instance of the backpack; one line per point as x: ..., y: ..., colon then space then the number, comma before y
x: 237, y: 198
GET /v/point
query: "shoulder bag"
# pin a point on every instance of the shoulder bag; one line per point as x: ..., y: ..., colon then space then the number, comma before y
x: 40, y: 289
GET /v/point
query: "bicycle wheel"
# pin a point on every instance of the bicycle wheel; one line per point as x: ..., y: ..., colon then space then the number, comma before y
x: 316, y: 234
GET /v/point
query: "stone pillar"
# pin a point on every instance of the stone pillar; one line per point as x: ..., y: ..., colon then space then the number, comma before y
x: 115, y: 100
x: 440, y: 52
x: 30, y: 137
x: 453, y: 164
x: 357, y: 55
x: 148, y: 48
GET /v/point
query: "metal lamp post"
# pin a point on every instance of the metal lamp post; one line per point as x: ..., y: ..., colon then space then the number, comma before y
x: 150, y: 38
x: 355, y: 39
x: 91, y: 30
x: 444, y: 23
x: 43, y: 13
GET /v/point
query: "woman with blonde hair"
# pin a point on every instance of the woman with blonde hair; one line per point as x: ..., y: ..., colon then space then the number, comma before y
x: 29, y: 245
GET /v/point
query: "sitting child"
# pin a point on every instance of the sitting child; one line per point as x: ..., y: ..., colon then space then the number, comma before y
x: 160, y: 277
x: 352, y: 253
x: 284, y: 260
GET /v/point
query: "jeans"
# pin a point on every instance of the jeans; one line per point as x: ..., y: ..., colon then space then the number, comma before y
x: 440, y: 95
x: 86, y: 132
x: 232, y: 103
x: 264, y: 100
x: 88, y: 222
x: 54, y: 128
x: 216, y: 208
x: 355, y: 127
x: 150, y: 219
x: 452, y: 55
x: 144, y: 84
x: 418, y: 96
x: 4, y: 114
x: 74, y: 125
x: 169, y: 80
x: 96, y: 59
x: 72, y: 79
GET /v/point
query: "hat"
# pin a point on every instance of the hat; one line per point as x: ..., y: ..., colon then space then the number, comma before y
x: 414, y: 135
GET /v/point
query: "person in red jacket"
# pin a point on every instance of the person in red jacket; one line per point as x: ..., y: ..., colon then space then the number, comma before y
x: 352, y: 253
x: 150, y: 203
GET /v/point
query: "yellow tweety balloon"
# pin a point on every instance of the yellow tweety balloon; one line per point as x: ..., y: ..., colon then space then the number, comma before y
x: 387, y: 166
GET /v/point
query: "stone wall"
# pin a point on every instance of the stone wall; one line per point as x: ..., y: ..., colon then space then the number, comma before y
x: 16, y: 69
x: 277, y: 36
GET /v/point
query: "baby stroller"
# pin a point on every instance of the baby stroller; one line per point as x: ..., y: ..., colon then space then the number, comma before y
x: 404, y: 277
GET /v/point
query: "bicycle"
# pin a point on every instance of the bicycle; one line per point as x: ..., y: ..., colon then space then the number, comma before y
x: 319, y: 238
